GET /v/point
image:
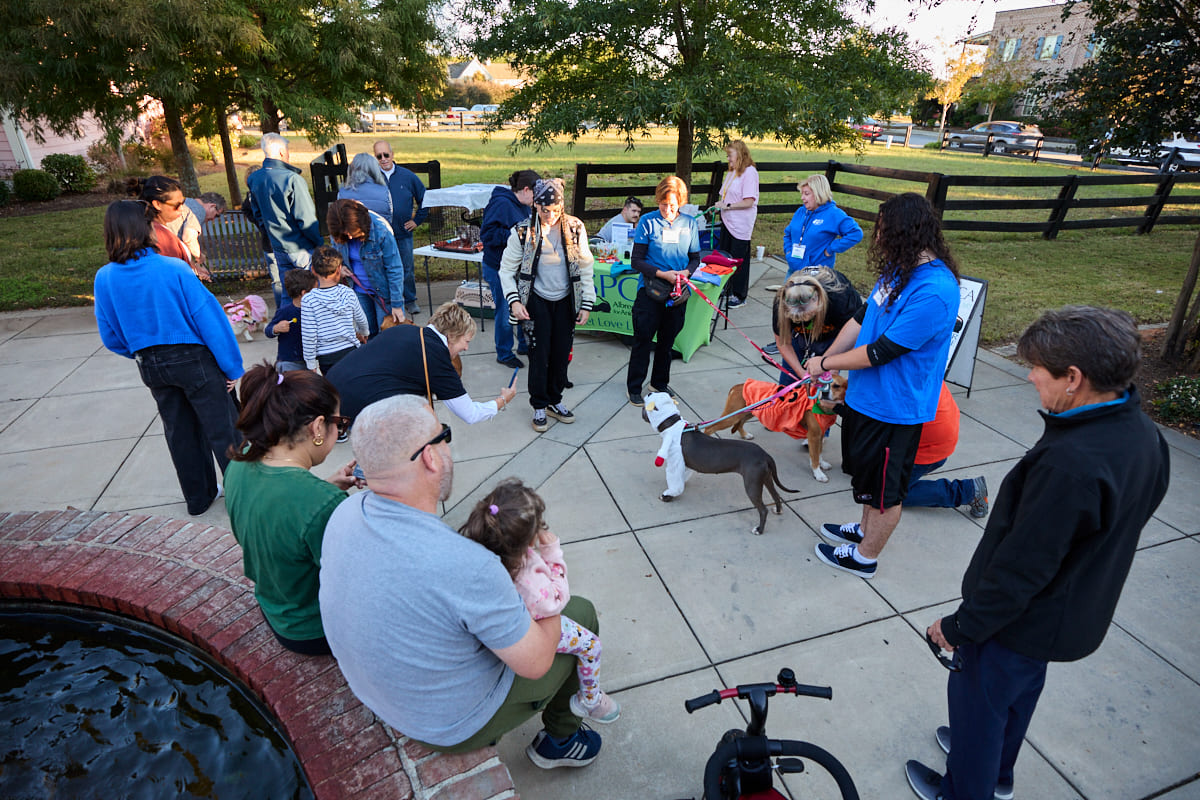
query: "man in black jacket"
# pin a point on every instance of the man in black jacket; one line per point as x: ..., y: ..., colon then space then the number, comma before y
x: 1046, y: 577
x: 505, y: 208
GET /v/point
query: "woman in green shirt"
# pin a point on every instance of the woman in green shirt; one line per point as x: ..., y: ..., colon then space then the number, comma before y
x: 277, y: 508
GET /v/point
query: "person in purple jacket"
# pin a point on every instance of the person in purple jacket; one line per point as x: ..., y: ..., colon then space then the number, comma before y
x: 505, y: 208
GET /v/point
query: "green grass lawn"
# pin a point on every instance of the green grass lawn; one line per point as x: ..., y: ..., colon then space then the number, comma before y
x: 49, y: 260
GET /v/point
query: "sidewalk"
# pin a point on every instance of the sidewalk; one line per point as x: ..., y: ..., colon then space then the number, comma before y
x: 689, y: 599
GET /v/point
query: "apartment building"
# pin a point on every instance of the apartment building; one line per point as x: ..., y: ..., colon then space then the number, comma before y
x: 1025, y: 41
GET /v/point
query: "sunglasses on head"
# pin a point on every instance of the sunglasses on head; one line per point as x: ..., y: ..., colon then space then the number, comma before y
x: 444, y: 436
x: 382, y: 156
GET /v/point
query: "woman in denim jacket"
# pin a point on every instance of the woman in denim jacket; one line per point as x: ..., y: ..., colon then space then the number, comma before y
x: 372, y: 260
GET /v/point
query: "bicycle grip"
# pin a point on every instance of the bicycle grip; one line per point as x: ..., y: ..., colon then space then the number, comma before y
x: 808, y: 690
x: 703, y: 700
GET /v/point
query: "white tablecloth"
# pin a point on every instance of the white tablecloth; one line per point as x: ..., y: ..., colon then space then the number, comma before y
x: 472, y: 196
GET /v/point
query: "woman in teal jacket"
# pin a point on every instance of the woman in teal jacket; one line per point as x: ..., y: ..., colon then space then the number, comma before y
x: 369, y: 251
x: 819, y: 230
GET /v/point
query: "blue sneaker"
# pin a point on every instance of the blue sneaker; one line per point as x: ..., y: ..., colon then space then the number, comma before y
x: 578, y: 750
x: 843, y: 558
x: 849, y: 533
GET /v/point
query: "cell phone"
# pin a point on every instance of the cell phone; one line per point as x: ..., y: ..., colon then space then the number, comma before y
x: 358, y: 473
x: 513, y: 379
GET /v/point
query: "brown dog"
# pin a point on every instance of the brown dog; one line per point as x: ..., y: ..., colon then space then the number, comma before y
x: 794, y: 410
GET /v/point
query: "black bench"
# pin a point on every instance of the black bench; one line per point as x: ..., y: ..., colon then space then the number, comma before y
x: 232, y: 247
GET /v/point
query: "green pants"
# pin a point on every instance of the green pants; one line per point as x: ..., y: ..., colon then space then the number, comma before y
x: 549, y: 694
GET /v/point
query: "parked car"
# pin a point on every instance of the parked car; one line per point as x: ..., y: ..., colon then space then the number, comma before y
x: 484, y: 108
x: 457, y: 111
x: 1182, y: 149
x: 869, y: 128
x: 378, y: 115
x: 1008, y: 136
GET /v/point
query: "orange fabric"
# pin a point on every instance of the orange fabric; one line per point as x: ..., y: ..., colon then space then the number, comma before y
x: 940, y: 437
x: 784, y: 414
x: 169, y: 244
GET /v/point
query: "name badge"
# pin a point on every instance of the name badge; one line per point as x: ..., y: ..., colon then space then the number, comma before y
x: 670, y: 236
x: 797, y: 251
x: 880, y: 296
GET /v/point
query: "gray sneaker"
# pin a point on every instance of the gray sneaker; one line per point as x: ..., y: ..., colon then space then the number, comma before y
x: 979, y: 504
x: 1004, y: 791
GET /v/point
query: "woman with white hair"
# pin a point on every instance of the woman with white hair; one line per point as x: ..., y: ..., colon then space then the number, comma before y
x: 819, y: 230
x: 809, y: 310
x: 366, y: 184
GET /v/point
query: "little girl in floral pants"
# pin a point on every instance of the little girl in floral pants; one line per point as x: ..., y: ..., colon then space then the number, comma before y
x: 509, y: 523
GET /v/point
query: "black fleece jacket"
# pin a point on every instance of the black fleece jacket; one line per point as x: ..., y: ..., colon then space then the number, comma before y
x: 1047, y: 574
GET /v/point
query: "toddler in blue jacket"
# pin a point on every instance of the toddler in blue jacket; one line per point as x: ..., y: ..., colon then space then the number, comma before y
x: 286, y: 323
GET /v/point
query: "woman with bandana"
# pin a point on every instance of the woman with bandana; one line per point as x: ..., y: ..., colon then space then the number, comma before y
x: 546, y: 272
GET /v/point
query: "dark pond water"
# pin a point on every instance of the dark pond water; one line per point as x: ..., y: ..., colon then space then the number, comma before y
x: 97, y: 706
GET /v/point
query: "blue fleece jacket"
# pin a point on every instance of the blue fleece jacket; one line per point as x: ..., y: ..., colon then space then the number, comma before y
x: 819, y: 235
x: 151, y: 300
x: 503, y: 211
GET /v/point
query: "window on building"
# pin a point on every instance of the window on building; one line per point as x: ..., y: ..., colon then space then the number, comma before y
x: 1048, y: 47
x: 1010, y: 49
x: 1094, y: 45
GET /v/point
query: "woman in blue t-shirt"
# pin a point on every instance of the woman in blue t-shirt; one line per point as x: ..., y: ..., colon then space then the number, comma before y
x: 666, y: 245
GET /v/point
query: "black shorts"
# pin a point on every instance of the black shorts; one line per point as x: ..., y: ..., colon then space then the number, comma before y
x: 878, y: 457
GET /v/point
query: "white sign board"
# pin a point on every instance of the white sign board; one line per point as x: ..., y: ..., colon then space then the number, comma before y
x: 964, y: 342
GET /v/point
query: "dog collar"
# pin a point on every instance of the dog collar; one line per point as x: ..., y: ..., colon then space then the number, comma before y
x: 668, y: 422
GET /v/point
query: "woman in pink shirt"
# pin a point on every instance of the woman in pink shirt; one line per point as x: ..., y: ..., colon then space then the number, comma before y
x: 738, y: 205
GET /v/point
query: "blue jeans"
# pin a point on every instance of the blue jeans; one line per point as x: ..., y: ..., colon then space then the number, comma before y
x: 991, y: 703
x: 373, y: 311
x: 503, y: 329
x: 197, y: 413
x: 405, y: 245
x: 941, y: 493
x: 279, y: 263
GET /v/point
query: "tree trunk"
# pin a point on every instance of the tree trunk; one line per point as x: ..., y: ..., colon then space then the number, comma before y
x: 683, y: 150
x: 1184, y: 326
x: 270, y: 116
x: 231, y: 176
x: 179, y: 146
x: 942, y: 124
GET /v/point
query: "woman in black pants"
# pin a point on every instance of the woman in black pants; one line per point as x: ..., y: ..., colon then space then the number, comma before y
x: 666, y: 245
x: 546, y: 272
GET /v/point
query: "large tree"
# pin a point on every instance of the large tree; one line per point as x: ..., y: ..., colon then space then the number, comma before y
x: 949, y: 90
x: 1142, y: 85
x: 791, y: 70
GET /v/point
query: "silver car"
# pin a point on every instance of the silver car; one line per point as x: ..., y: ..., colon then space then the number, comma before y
x: 1007, y: 136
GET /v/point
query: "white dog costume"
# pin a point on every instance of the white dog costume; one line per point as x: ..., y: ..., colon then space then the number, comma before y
x: 664, y: 416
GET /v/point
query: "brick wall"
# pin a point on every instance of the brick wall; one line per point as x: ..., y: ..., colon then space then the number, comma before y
x: 187, y: 579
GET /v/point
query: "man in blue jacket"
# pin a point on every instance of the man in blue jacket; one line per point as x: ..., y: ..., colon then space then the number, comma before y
x: 407, y: 194
x: 505, y: 209
x: 282, y: 207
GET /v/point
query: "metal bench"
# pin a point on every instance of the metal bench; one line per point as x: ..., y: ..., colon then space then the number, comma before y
x: 232, y: 247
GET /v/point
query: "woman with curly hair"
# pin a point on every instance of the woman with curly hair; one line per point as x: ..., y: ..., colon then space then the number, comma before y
x: 897, y: 346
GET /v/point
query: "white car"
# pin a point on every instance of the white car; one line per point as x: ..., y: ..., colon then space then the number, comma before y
x: 378, y: 115
x: 1185, y: 147
x: 484, y: 108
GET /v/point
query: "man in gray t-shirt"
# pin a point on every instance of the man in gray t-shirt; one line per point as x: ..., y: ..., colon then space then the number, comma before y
x: 426, y: 624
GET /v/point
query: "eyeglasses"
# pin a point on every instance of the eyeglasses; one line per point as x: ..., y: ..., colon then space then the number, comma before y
x: 954, y: 663
x: 343, y: 423
x: 444, y: 436
x: 382, y: 156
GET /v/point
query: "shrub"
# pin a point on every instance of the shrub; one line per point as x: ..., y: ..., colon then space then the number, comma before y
x: 73, y: 173
x: 5, y: 192
x: 1179, y: 400
x: 33, y: 185
x: 247, y: 142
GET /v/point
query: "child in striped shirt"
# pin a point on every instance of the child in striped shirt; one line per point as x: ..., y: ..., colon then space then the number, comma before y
x: 332, y: 321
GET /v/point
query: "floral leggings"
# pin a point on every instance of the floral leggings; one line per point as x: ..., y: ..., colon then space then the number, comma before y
x: 579, y: 641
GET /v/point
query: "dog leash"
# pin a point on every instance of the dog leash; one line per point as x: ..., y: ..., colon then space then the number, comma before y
x: 782, y: 391
x: 765, y: 354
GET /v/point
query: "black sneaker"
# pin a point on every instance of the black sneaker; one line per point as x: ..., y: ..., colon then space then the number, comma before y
x: 560, y: 413
x: 735, y: 302
x: 539, y: 420
x: 666, y: 389
x: 343, y: 437
x: 578, y: 750
x: 979, y: 504
x: 512, y: 362
x: 849, y: 533
x: 635, y: 399
x: 843, y: 558
x: 1004, y: 791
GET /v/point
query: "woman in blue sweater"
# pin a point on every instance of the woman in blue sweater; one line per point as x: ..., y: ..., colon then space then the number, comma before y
x: 819, y: 230
x: 154, y: 310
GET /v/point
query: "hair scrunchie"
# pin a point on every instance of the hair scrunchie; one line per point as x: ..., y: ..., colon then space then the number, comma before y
x: 494, y: 509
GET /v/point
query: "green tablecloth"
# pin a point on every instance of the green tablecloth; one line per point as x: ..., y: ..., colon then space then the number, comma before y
x: 614, y: 306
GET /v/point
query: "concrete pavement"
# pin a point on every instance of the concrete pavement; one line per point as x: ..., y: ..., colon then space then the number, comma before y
x: 689, y: 600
